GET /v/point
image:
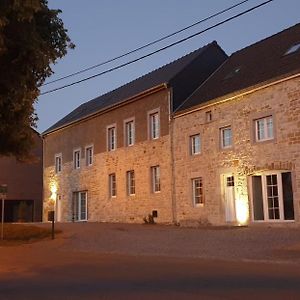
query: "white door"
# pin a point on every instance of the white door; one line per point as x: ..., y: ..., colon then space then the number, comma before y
x: 58, y: 208
x: 229, y: 198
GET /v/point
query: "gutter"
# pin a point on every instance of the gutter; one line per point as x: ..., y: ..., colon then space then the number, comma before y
x: 109, y: 108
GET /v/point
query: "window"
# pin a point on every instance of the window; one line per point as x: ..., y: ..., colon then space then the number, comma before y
x: 292, y: 49
x: 155, y: 179
x: 195, y: 144
x: 154, y: 125
x: 76, y: 159
x: 130, y: 182
x: 112, y: 185
x: 197, y: 191
x: 208, y: 116
x: 129, y: 133
x: 111, y: 138
x: 264, y: 129
x: 226, y: 137
x: 58, y: 163
x: 272, y: 197
x: 79, y: 206
x: 89, y: 152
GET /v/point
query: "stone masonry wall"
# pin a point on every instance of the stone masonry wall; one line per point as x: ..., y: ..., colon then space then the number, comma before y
x: 94, y: 179
x: 245, y: 158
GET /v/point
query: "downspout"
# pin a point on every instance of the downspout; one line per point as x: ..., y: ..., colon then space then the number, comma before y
x: 173, y: 181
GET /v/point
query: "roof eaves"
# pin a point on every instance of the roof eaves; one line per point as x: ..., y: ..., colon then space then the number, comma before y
x: 108, y: 108
x: 239, y: 93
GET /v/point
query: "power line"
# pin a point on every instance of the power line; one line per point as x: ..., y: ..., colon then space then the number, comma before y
x: 146, y: 45
x: 159, y: 50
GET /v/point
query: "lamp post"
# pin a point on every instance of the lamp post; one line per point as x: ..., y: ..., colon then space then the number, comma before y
x: 3, y: 193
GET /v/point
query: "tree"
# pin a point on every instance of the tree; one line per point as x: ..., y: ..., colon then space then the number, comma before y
x: 32, y: 37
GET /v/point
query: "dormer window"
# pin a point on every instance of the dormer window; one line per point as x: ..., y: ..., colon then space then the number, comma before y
x: 292, y: 49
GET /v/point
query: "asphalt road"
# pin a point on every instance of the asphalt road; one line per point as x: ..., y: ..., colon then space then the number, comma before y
x: 50, y: 270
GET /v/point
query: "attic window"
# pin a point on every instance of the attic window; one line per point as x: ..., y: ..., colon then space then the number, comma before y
x: 292, y: 49
x: 232, y: 73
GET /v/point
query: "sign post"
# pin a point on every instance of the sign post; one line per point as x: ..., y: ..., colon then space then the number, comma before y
x: 3, y: 193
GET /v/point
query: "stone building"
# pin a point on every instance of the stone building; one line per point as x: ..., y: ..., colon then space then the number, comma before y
x: 24, y: 180
x: 110, y: 160
x: 206, y: 139
x: 237, y: 158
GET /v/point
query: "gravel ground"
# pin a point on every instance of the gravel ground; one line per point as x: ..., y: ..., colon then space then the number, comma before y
x: 274, y: 244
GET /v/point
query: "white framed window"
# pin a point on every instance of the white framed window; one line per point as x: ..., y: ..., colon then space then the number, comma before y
x: 129, y: 133
x: 264, y: 129
x: 79, y: 206
x: 272, y: 196
x: 226, y: 137
x: 195, y: 144
x: 197, y: 191
x: 130, y: 179
x: 155, y: 179
x: 111, y: 138
x: 58, y: 163
x: 154, y: 125
x: 76, y: 158
x: 112, y: 184
x: 89, y: 155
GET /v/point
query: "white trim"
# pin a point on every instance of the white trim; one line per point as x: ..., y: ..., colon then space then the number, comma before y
x: 56, y: 169
x: 109, y: 143
x: 150, y: 124
x: 126, y: 138
x: 87, y: 162
x: 76, y: 164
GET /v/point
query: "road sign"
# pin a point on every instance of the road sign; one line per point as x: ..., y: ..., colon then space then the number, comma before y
x: 3, y: 191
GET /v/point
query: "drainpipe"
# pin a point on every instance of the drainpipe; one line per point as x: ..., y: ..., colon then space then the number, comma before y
x: 173, y: 181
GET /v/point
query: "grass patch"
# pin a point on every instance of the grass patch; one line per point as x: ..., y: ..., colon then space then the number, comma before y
x: 20, y: 233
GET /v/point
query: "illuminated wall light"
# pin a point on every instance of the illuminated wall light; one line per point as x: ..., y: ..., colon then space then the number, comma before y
x: 53, y: 190
x: 242, y: 210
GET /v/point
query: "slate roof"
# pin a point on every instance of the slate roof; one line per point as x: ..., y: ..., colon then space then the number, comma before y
x: 254, y: 65
x: 170, y: 74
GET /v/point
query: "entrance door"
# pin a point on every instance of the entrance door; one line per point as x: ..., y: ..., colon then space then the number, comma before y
x: 229, y: 198
x: 80, y: 206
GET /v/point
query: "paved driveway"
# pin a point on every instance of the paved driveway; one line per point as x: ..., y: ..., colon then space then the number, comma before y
x: 121, y: 261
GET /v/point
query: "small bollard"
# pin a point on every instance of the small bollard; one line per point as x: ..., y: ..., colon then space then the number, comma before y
x: 51, y: 218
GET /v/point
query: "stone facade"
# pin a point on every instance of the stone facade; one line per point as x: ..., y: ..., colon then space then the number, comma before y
x: 244, y: 159
x: 140, y: 157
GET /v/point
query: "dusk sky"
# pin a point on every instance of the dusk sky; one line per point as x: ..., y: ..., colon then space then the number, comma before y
x: 104, y: 29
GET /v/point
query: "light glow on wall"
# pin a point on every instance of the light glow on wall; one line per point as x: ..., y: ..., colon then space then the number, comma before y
x: 53, y: 190
x: 242, y: 210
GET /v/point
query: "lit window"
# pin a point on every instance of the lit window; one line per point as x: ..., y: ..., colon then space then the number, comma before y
x: 111, y: 138
x: 76, y: 159
x: 226, y: 137
x: 89, y: 155
x: 129, y: 133
x: 195, y: 144
x: 130, y: 182
x: 112, y: 185
x: 154, y: 125
x: 197, y: 191
x: 155, y: 179
x: 58, y: 163
x: 264, y: 129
